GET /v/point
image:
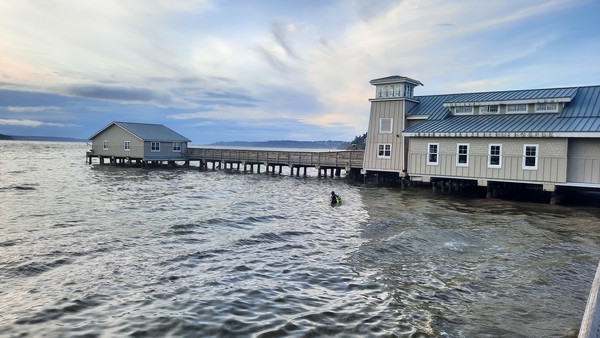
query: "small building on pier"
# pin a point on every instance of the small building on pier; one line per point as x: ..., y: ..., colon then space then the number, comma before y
x: 126, y: 142
x: 548, y: 138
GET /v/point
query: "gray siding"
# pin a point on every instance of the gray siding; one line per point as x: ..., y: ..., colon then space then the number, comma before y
x: 116, y: 138
x: 166, y: 151
x: 551, y: 162
x: 385, y: 109
x: 584, y: 161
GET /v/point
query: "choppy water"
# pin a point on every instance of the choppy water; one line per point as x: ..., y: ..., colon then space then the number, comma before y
x: 104, y: 251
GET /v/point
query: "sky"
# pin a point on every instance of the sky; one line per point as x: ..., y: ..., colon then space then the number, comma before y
x: 245, y: 70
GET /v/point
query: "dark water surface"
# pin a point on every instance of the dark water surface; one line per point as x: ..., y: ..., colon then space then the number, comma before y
x: 109, y: 252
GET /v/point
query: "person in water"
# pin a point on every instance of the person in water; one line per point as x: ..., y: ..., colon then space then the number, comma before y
x: 335, y: 199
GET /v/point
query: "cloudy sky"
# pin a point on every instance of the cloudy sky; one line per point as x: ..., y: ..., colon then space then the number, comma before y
x: 272, y: 69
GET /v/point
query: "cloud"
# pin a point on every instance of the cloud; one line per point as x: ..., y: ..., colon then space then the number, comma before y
x: 281, y: 33
x: 32, y: 123
x: 27, y: 109
x: 119, y: 93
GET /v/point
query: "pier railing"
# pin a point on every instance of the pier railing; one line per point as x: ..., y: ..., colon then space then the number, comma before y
x: 340, y: 159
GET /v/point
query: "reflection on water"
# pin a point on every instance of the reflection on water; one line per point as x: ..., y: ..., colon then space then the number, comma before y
x: 105, y: 251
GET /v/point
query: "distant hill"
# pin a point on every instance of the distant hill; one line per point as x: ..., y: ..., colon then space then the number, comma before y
x: 41, y: 138
x: 5, y: 137
x: 286, y: 144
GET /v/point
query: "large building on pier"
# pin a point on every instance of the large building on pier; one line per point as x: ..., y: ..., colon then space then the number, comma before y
x: 546, y: 137
x: 126, y: 141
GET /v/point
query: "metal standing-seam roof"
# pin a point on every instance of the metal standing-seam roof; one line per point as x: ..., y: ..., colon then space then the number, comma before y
x: 148, y: 132
x: 580, y: 114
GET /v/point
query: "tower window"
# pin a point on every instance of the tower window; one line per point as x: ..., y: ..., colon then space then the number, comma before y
x: 385, y: 125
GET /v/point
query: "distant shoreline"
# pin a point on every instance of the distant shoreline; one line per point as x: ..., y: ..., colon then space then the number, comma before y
x: 40, y: 138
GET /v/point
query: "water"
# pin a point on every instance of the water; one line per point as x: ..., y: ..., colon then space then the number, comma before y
x: 100, y: 251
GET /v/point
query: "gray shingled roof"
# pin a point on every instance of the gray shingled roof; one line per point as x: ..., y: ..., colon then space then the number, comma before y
x: 581, y: 114
x: 148, y: 132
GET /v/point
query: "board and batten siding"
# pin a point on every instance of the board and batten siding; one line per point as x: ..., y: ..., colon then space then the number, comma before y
x: 116, y: 137
x: 551, y: 159
x: 385, y: 109
x: 584, y: 161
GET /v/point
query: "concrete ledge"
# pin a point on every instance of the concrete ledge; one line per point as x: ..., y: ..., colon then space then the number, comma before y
x: 590, y: 325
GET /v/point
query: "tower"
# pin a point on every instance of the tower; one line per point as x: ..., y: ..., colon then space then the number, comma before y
x: 385, y: 149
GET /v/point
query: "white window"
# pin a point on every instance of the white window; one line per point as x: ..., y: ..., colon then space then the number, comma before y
x: 492, y: 109
x: 548, y: 107
x: 408, y: 91
x: 516, y: 108
x: 495, y: 156
x: 155, y: 146
x: 105, y: 144
x: 384, y: 150
x: 389, y: 91
x: 432, y: 153
x: 462, y: 154
x: 379, y: 93
x: 463, y: 111
x: 385, y: 125
x: 126, y: 146
x: 530, y: 156
x: 176, y: 147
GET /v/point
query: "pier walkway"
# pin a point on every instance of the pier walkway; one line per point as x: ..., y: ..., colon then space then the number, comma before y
x: 332, y: 162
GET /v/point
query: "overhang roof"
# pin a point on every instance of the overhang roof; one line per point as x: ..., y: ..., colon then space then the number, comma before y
x: 395, y: 79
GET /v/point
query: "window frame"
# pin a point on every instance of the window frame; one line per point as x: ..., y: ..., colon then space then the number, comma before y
x: 381, y: 148
x: 436, y: 153
x: 525, y: 156
x: 458, y: 155
x: 485, y: 110
x: 545, y: 104
x: 381, y: 131
x: 517, y: 111
x: 104, y: 144
x: 470, y: 112
x: 126, y: 146
x: 490, y: 155
x: 177, y: 147
x: 153, y: 148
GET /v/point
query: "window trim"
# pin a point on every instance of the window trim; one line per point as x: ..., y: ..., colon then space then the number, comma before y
x: 490, y: 165
x: 153, y: 148
x: 458, y: 154
x: 381, y: 131
x: 383, y: 146
x: 463, y: 108
x: 485, y: 110
x: 517, y: 111
x: 537, y: 153
x: 126, y: 146
x: 177, y: 149
x: 104, y: 144
x: 437, y: 153
x: 538, y: 105
x: 408, y: 91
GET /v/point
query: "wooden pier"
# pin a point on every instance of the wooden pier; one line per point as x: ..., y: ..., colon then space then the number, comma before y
x: 326, y: 162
